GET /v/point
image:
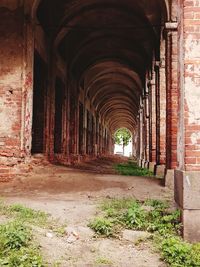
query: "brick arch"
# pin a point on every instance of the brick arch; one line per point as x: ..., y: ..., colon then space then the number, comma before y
x: 35, y: 5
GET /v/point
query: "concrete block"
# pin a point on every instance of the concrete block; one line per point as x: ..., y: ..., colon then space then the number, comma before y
x: 191, y: 223
x: 160, y: 170
x: 143, y: 163
x: 146, y: 164
x: 152, y: 166
x: 169, y: 179
x: 187, y: 189
x: 139, y: 162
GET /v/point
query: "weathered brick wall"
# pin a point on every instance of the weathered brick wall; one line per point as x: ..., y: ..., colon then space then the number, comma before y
x: 192, y: 83
x: 187, y: 186
x: 11, y: 73
x: 171, y: 90
x: 189, y: 80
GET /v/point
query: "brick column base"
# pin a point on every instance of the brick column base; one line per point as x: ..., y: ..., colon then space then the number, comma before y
x: 187, y: 196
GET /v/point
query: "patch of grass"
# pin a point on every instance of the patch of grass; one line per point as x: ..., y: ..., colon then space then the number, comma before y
x: 117, y: 205
x: 131, y: 214
x: 132, y: 169
x: 103, y: 261
x: 31, y: 216
x: 16, y: 239
x: 19, y: 212
x: 153, y: 216
x: 16, y: 248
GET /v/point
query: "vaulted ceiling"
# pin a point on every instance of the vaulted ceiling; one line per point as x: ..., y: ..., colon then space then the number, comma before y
x: 108, y: 46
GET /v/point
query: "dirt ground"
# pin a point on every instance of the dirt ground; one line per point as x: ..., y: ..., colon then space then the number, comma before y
x: 72, y: 195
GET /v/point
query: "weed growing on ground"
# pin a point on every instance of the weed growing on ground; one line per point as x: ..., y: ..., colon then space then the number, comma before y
x: 152, y: 216
x: 102, y: 226
x: 132, y: 169
x: 16, y: 248
x: 103, y: 261
x: 179, y: 253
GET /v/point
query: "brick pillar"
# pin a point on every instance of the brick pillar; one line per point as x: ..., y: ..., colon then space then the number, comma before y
x: 172, y: 102
x: 162, y: 104
x: 160, y: 112
x: 187, y: 182
x: 94, y: 149
x: 146, y: 101
x: 99, y: 139
x: 51, y: 105
x: 97, y: 135
x: 15, y: 88
x: 152, y: 126
x: 76, y: 119
x: 141, y: 143
x: 73, y: 129
x: 137, y: 138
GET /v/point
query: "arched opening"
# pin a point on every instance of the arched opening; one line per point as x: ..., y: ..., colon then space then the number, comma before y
x: 123, y: 141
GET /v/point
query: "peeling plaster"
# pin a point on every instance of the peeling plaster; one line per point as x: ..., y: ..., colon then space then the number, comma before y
x: 7, y: 116
x: 192, y: 48
x: 195, y: 137
x: 192, y: 98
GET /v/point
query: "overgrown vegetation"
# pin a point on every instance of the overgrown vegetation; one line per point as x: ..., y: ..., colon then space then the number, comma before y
x: 132, y: 169
x: 153, y: 216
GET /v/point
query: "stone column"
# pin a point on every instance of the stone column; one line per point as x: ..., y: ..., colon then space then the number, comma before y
x: 187, y: 182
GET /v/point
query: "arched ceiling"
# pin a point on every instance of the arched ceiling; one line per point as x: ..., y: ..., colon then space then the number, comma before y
x: 108, y: 46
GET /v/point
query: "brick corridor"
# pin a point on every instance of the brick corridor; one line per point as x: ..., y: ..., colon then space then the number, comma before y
x: 74, y: 72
